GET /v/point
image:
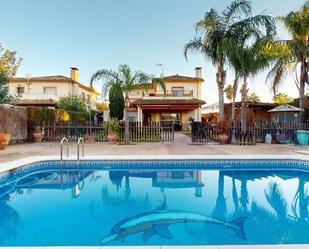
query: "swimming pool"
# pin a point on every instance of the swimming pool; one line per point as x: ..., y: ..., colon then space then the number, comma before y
x: 155, y: 202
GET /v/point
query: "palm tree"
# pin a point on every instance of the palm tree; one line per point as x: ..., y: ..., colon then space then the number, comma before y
x: 242, y: 48
x: 291, y: 53
x: 248, y: 60
x: 220, y: 209
x: 235, y: 21
x: 127, y: 80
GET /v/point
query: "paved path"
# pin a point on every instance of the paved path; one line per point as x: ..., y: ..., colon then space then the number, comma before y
x: 182, y: 146
x: 181, y: 138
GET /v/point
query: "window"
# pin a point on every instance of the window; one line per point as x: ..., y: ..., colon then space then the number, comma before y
x: 83, y: 96
x: 132, y: 116
x: 20, y: 90
x: 50, y: 90
x: 177, y: 91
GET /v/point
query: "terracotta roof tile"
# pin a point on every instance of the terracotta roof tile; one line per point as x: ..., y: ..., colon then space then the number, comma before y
x: 177, y: 77
x: 30, y: 102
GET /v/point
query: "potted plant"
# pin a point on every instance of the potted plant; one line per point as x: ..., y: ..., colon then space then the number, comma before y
x: 91, y: 139
x: 112, y: 127
x: 4, y: 139
x: 37, y: 134
x: 223, y: 131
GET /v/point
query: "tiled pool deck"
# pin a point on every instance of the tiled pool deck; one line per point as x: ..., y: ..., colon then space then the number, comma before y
x: 182, y: 146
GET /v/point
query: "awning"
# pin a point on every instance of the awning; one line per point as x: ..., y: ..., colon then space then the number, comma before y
x: 286, y: 108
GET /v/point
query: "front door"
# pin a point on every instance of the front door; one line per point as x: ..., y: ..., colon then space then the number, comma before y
x: 146, y: 118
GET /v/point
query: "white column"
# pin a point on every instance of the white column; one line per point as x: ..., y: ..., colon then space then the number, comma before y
x: 139, y: 114
x: 196, y: 115
x: 198, y: 111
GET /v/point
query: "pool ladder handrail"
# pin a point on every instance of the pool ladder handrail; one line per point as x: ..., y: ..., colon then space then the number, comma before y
x: 83, y: 147
x: 64, y: 139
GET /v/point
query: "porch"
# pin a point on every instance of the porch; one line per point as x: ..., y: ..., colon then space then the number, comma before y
x: 167, y: 110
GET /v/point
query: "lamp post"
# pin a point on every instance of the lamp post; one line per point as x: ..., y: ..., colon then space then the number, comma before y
x: 161, y: 65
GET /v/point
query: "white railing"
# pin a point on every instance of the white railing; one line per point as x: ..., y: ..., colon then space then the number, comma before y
x: 80, y: 140
x: 64, y: 140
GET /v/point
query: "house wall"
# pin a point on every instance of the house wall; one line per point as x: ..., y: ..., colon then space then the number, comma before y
x: 36, y: 90
x: 139, y: 93
x: 158, y: 93
x: 184, y: 116
x: 63, y: 89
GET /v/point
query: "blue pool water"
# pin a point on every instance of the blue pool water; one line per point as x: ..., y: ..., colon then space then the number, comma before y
x: 155, y: 203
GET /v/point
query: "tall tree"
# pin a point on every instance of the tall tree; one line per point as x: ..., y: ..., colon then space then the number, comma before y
x: 239, y: 44
x: 127, y: 80
x: 244, y: 54
x: 9, y: 64
x: 282, y: 99
x: 116, y: 101
x: 211, y: 32
x: 253, y: 97
x: 291, y: 53
x: 5, y: 96
x: 229, y: 92
x: 252, y: 62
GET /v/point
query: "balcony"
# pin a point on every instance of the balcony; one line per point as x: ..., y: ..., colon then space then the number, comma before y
x: 172, y: 93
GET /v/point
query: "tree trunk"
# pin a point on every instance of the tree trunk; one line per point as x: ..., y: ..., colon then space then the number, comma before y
x: 235, y: 87
x: 221, y: 103
x: 303, y: 79
x: 243, y: 113
x: 126, y: 123
x: 221, y: 75
x: 220, y: 207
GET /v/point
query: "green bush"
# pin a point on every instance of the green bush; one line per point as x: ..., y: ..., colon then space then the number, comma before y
x: 72, y: 104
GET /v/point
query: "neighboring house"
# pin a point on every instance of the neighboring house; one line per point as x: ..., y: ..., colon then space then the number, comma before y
x: 210, y: 113
x: 256, y: 112
x: 180, y: 103
x: 45, y: 91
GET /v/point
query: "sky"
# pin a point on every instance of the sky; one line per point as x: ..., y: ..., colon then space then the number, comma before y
x: 52, y: 36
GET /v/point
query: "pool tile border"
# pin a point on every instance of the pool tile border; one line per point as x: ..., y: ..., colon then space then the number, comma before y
x: 297, y: 160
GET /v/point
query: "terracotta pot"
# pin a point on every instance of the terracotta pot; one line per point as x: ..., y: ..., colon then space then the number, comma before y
x: 91, y: 139
x: 222, y: 138
x: 112, y: 138
x: 37, y: 134
x: 4, y: 140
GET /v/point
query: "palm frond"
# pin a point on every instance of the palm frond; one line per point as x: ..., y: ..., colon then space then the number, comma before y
x: 211, y: 21
x: 276, y: 76
x: 276, y: 199
x: 102, y: 74
x: 195, y: 45
x: 236, y: 9
x: 254, y: 27
x: 161, y: 84
x: 125, y: 72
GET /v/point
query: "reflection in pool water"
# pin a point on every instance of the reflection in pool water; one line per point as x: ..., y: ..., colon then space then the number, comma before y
x: 153, y: 207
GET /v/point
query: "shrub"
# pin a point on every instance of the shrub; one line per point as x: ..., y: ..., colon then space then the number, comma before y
x: 72, y: 104
x: 112, y: 126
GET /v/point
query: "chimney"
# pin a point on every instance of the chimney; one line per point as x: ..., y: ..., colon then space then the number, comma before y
x: 198, y: 72
x: 74, y: 73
